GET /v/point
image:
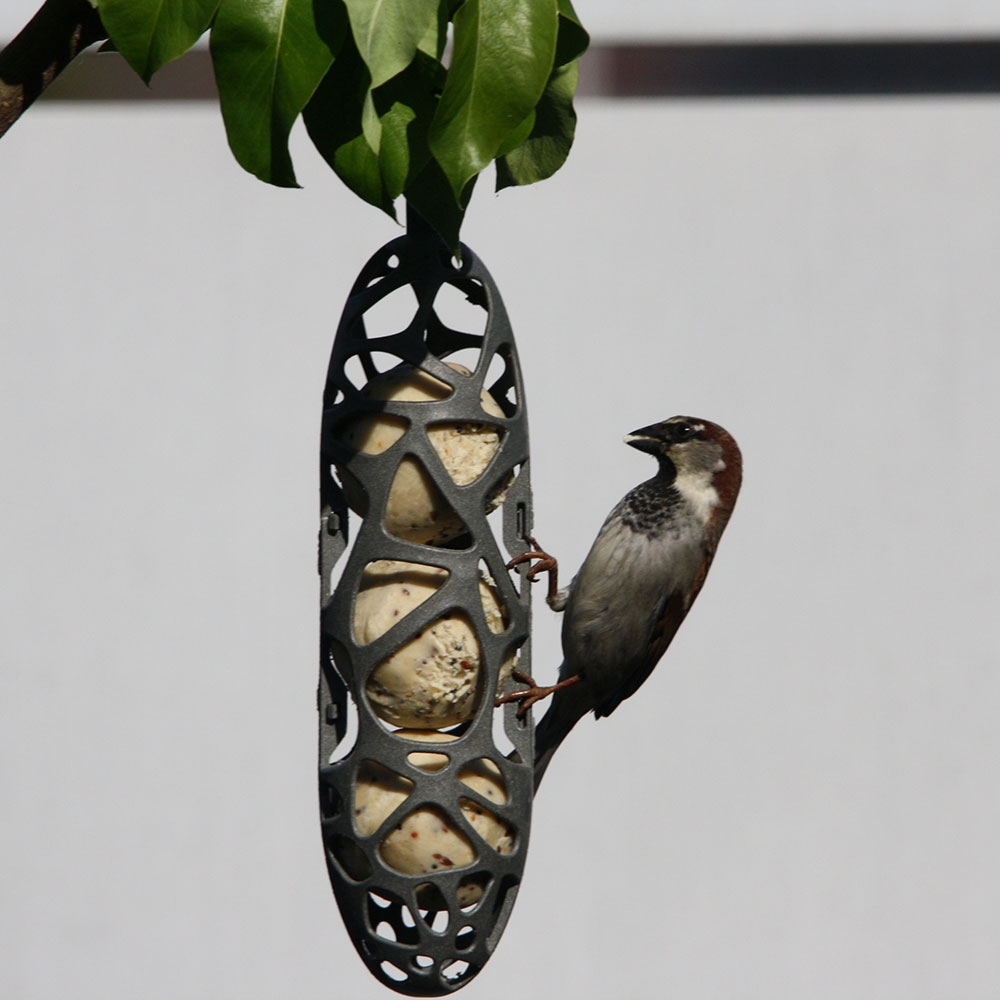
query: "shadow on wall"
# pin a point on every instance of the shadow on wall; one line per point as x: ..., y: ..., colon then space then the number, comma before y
x: 755, y: 69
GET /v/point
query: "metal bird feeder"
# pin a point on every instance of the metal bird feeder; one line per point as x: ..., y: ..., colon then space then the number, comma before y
x: 424, y: 928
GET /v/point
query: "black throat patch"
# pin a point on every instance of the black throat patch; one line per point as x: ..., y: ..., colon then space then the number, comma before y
x: 647, y: 509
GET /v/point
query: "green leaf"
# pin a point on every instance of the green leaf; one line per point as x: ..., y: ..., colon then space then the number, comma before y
x: 406, y: 106
x: 436, y: 37
x: 430, y: 193
x: 333, y: 118
x: 370, y: 124
x: 519, y: 135
x: 151, y: 33
x: 388, y: 32
x: 394, y: 152
x: 573, y: 38
x: 503, y: 55
x: 403, y: 108
x: 269, y: 58
x: 546, y: 148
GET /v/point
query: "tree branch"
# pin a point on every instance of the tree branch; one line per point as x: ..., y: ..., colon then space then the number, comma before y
x: 49, y: 42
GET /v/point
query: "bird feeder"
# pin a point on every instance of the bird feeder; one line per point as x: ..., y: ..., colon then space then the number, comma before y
x: 425, y: 787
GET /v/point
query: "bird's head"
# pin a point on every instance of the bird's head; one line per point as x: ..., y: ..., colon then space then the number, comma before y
x: 690, y: 446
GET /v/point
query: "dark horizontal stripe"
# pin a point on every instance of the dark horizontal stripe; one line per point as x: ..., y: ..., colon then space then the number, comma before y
x: 755, y: 69
x: 765, y: 69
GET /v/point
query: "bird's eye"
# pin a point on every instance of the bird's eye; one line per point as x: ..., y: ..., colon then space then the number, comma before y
x: 683, y: 431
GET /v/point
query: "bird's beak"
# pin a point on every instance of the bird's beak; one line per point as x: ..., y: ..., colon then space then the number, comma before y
x: 645, y: 439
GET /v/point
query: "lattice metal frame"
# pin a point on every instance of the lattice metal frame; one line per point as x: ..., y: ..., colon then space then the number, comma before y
x: 438, y: 946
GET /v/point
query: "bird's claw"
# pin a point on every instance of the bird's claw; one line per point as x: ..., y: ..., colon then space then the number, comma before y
x: 533, y: 693
x: 544, y: 564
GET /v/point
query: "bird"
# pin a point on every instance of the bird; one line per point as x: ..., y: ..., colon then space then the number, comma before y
x: 640, y: 578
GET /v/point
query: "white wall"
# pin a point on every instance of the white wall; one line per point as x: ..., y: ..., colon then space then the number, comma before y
x: 802, y: 801
x: 723, y: 19
x: 707, y: 19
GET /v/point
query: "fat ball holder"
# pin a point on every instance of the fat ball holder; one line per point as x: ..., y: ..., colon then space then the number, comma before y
x: 420, y: 934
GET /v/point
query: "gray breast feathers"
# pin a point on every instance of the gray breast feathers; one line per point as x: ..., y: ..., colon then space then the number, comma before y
x: 617, y: 596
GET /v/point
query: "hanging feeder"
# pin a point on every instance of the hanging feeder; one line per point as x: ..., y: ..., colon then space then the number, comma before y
x: 426, y: 814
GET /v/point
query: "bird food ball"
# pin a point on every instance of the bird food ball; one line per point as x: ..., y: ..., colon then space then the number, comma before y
x: 425, y: 841
x: 416, y: 510
x: 431, y: 681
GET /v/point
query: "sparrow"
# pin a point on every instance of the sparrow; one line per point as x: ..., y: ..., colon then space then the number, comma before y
x: 640, y: 578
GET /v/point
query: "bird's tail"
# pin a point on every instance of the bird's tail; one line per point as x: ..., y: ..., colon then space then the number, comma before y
x: 568, y: 707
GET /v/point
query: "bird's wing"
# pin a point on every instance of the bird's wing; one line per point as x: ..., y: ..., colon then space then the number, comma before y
x: 673, y: 610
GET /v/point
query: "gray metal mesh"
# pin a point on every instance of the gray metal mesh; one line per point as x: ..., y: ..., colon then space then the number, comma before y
x: 419, y: 933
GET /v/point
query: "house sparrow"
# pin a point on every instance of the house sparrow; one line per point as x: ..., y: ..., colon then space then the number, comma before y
x: 640, y: 578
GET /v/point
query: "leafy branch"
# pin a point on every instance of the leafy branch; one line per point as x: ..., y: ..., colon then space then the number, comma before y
x: 410, y: 98
x: 50, y: 41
